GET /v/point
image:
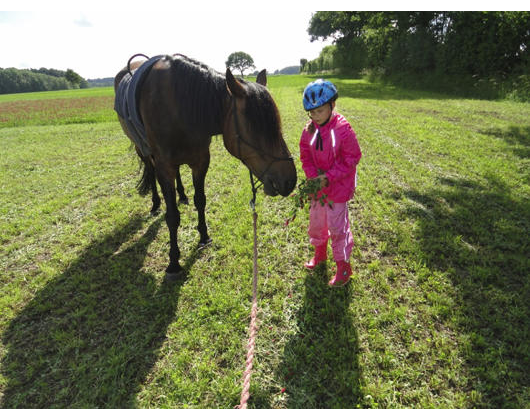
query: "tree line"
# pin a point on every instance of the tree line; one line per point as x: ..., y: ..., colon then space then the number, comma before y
x: 459, y: 43
x: 35, y: 80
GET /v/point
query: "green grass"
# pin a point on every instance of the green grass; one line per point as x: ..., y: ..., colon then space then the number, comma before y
x: 436, y: 315
x: 57, y: 107
x: 58, y: 94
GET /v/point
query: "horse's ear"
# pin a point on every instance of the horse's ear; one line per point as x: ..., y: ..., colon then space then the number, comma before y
x: 262, y: 77
x: 234, y: 87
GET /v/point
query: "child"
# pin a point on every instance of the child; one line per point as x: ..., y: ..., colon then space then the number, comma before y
x: 330, y: 152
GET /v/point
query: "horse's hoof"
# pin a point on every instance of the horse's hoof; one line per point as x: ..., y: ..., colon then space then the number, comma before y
x: 205, y: 244
x: 184, y: 201
x: 174, y: 273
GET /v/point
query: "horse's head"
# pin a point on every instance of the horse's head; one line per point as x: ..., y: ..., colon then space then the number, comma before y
x: 253, y: 134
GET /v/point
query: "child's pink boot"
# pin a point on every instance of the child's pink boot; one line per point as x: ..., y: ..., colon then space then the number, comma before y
x: 321, y: 254
x: 342, y: 277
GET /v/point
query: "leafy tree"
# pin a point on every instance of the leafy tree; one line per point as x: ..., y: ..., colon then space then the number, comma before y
x: 14, y: 81
x: 465, y: 43
x: 240, y: 61
x: 486, y: 43
x: 75, y: 79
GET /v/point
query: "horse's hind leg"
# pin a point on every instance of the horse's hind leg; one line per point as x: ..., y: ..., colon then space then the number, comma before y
x: 155, y: 198
x: 167, y: 183
x: 148, y: 183
x: 183, y: 199
x: 199, y: 198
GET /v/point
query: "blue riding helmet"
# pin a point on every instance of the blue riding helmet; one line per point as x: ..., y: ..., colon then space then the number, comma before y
x: 318, y: 93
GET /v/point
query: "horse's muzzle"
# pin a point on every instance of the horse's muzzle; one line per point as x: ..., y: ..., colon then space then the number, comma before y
x: 282, y: 186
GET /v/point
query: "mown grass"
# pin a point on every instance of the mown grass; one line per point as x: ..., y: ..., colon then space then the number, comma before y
x: 57, y: 107
x: 436, y: 315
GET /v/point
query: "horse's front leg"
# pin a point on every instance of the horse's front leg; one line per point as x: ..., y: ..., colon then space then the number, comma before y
x: 167, y: 184
x: 199, y: 174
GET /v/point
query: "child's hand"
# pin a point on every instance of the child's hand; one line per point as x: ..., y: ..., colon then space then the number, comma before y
x: 308, y: 190
x: 324, y: 181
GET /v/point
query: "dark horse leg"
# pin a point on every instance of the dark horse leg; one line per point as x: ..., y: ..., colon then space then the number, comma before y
x: 148, y: 184
x: 199, y: 198
x: 183, y: 199
x: 167, y: 184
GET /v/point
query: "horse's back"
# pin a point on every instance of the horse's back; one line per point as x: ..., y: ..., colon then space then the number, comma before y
x: 124, y: 71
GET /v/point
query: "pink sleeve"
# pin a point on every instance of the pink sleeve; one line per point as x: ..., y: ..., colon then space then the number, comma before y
x: 308, y: 165
x: 349, y: 152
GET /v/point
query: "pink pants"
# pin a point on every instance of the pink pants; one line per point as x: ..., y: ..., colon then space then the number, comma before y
x: 325, y: 222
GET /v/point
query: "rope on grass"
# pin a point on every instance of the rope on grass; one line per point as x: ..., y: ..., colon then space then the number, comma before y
x: 253, y: 327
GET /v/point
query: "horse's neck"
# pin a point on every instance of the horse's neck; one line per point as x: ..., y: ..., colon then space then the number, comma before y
x: 227, y: 104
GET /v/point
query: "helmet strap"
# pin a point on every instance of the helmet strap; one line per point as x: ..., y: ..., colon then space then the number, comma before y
x: 330, y: 115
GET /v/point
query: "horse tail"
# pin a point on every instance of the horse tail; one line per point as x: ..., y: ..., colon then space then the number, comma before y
x: 148, y: 179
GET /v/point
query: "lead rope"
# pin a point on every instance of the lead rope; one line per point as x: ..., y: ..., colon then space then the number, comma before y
x: 253, y: 327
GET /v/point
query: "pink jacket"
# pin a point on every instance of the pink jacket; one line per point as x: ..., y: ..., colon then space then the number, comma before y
x: 332, y: 148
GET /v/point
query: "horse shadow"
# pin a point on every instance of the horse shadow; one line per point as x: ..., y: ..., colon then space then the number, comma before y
x: 320, y: 366
x: 89, y: 338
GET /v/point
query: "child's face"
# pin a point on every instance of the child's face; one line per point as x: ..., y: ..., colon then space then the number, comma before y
x: 321, y: 114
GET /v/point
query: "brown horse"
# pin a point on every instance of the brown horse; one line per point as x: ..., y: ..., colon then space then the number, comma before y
x: 182, y: 104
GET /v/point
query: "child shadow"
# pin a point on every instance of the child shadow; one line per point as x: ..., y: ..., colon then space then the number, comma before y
x: 320, y: 367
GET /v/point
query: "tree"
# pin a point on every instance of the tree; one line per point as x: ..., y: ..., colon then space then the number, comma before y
x: 456, y: 43
x: 14, y: 81
x: 75, y: 79
x: 240, y: 61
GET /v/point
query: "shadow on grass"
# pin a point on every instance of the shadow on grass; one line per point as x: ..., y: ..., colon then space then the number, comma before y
x: 411, y: 87
x: 320, y: 367
x: 361, y: 89
x: 478, y: 234
x: 517, y: 137
x: 90, y: 337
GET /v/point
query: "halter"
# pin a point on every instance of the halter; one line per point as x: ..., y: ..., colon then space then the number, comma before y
x: 240, y: 139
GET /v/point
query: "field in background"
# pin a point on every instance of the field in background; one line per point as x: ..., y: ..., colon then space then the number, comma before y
x: 57, y: 107
x: 436, y: 315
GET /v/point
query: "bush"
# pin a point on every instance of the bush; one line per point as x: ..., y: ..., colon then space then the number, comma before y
x: 514, y: 88
x: 520, y: 89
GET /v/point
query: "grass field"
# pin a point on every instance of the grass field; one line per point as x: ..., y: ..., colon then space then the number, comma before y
x: 437, y: 314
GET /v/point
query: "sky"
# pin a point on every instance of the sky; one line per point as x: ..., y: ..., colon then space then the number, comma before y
x: 97, y: 44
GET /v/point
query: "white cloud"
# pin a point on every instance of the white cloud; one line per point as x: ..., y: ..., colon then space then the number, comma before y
x: 83, y: 22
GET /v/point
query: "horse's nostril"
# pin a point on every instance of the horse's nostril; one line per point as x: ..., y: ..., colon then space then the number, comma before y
x: 282, y: 187
x: 290, y: 184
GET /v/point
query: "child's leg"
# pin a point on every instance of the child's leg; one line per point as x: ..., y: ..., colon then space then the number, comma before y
x: 339, y: 227
x: 318, y: 225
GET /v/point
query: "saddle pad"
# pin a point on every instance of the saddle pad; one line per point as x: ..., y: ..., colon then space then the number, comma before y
x: 126, y: 103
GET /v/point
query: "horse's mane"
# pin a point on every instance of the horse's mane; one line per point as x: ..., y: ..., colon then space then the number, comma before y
x: 203, y: 93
